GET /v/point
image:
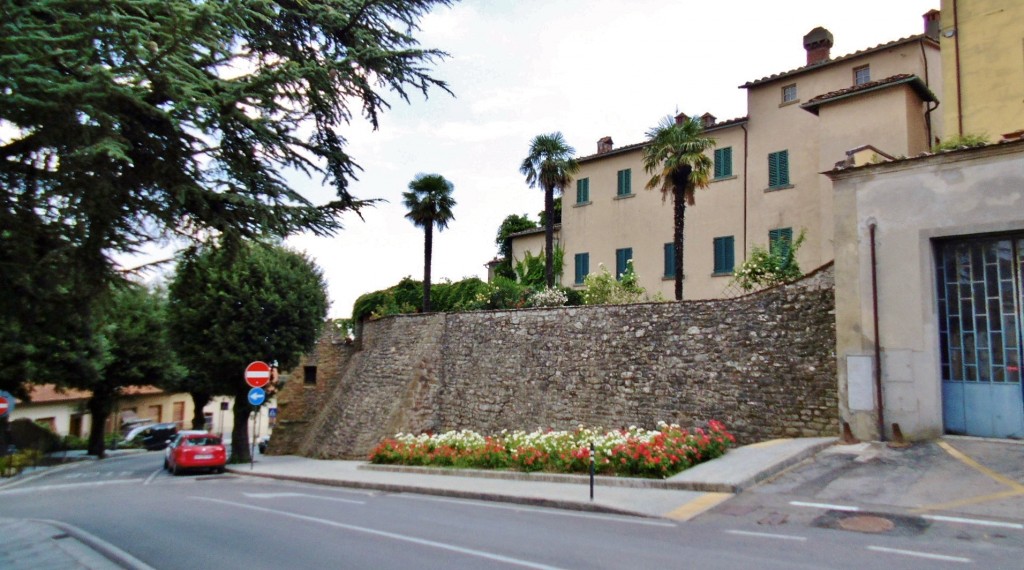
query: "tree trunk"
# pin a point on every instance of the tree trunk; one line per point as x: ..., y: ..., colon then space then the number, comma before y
x: 99, y: 406
x: 549, y: 236
x: 240, y: 445
x: 679, y: 221
x: 428, y: 252
x: 199, y: 401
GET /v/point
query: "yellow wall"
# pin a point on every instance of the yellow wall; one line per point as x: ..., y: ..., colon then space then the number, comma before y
x: 989, y: 35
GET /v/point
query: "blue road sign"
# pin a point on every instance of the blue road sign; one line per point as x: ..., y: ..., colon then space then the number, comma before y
x: 272, y: 412
x: 257, y: 396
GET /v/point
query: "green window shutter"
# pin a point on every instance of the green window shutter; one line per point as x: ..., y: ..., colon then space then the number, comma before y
x: 625, y: 182
x: 778, y: 169
x: 725, y: 260
x: 583, y: 191
x: 582, y: 267
x: 779, y: 241
x: 670, y: 260
x: 622, y: 257
x: 723, y: 162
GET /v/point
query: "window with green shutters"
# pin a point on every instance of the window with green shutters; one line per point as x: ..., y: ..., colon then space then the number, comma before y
x: 780, y: 240
x: 670, y: 260
x: 582, y: 267
x: 622, y: 257
x: 625, y: 187
x: 582, y: 190
x: 778, y: 169
x: 723, y: 162
x: 725, y: 259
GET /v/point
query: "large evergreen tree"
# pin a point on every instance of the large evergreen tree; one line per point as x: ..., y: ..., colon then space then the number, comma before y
x: 123, y: 122
x: 234, y: 304
x: 430, y: 204
x: 550, y: 164
x: 675, y: 158
x: 513, y: 223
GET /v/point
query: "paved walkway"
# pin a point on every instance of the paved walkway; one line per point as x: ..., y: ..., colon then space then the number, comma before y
x: 681, y: 497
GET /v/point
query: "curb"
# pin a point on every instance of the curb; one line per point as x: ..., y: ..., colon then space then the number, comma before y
x: 102, y: 547
x: 433, y: 491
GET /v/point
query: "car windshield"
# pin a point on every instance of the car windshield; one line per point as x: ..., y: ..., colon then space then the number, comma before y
x: 202, y: 441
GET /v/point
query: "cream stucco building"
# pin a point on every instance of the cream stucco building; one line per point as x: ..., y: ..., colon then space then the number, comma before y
x: 767, y: 184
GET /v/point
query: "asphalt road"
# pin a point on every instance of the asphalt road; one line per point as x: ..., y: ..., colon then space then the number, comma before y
x: 232, y: 521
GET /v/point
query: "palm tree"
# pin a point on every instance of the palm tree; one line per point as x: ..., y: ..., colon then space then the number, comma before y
x: 675, y: 159
x: 430, y: 204
x: 550, y: 164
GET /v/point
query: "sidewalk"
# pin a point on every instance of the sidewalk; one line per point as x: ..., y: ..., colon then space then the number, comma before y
x: 680, y: 497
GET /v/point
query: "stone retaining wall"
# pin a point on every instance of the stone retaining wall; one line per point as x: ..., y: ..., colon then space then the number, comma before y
x: 763, y: 364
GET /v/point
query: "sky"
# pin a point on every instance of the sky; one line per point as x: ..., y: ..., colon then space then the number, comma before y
x: 587, y: 68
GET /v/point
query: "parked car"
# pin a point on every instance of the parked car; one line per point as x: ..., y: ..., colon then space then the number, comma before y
x: 134, y: 432
x: 153, y: 436
x: 171, y: 445
x: 193, y: 451
x: 262, y: 443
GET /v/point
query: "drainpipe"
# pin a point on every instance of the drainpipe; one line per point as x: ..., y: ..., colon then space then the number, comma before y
x: 878, y: 343
x: 927, y: 82
x: 745, y: 154
x: 956, y: 51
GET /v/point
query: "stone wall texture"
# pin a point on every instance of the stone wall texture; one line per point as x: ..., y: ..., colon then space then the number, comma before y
x: 764, y: 364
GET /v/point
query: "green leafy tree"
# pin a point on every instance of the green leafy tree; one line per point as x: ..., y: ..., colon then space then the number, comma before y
x: 602, y: 288
x: 238, y: 303
x: 512, y: 224
x: 136, y: 351
x: 430, y: 204
x: 531, y: 269
x: 551, y: 165
x: 129, y: 121
x: 675, y: 158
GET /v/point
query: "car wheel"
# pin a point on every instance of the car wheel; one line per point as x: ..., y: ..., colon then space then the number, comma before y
x: 175, y: 471
x: 219, y: 470
x: 166, y: 466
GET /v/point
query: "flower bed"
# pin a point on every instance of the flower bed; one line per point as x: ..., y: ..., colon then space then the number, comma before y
x: 634, y: 452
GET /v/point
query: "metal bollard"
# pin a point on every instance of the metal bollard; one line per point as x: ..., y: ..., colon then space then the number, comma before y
x: 591, y: 471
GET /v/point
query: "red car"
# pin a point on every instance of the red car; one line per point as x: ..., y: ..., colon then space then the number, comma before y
x: 195, y: 451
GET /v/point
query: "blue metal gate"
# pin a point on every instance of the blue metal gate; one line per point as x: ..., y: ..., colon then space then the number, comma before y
x: 980, y: 319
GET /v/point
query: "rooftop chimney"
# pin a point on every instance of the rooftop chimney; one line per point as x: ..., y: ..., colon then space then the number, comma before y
x: 708, y: 120
x: 931, y: 24
x: 681, y: 118
x: 818, y: 42
x: 604, y: 145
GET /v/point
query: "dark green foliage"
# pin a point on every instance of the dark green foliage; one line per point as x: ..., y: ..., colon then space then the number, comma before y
x: 243, y: 302
x: 128, y: 121
x: 459, y: 296
x: 558, y: 213
x: 510, y: 225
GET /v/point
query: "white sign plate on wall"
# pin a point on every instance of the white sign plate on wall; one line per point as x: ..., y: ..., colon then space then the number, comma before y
x: 860, y: 385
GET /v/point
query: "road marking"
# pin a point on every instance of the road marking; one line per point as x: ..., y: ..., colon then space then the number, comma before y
x: 66, y: 486
x: 825, y: 506
x: 968, y: 501
x: 701, y: 504
x: 981, y: 468
x: 292, y: 495
x: 980, y: 522
x: 918, y: 554
x: 153, y: 476
x: 391, y: 535
x: 543, y: 511
x: 767, y: 535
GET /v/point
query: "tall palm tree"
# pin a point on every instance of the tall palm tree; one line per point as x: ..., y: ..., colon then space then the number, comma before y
x: 430, y: 204
x: 676, y: 160
x: 551, y: 165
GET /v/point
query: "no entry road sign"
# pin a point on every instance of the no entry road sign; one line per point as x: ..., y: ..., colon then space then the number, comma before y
x: 6, y: 404
x: 257, y: 374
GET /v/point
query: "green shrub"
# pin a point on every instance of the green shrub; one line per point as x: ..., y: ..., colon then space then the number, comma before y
x: 764, y: 268
x: 961, y: 141
x: 602, y: 288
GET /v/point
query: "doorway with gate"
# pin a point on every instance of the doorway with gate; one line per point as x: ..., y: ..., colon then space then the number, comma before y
x: 980, y: 303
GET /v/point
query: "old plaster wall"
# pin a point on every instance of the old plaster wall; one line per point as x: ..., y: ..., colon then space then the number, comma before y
x: 764, y: 364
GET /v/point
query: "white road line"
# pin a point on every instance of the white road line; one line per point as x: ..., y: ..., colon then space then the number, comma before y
x: 825, y: 506
x: 543, y: 511
x: 304, y: 495
x: 391, y: 535
x: 153, y: 476
x: 917, y: 554
x: 66, y: 486
x: 980, y: 522
x: 767, y: 535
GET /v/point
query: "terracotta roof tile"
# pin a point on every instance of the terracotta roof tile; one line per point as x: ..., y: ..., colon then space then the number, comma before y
x: 915, y: 82
x: 631, y: 147
x: 42, y: 393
